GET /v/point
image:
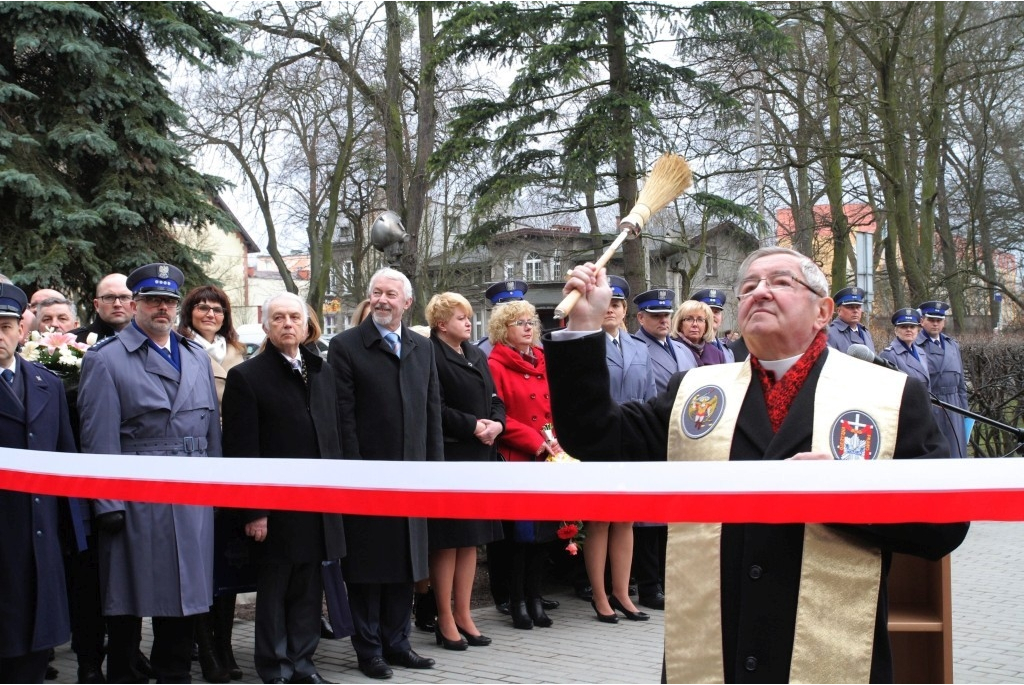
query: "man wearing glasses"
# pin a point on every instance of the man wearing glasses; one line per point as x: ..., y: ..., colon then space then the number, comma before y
x: 113, y: 309
x: 148, y: 391
x: 740, y: 585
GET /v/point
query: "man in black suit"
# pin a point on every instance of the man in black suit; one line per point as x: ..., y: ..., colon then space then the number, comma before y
x: 740, y: 585
x: 389, y: 409
x: 281, y: 403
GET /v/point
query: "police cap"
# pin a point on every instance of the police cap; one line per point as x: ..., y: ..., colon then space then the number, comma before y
x: 905, y: 316
x: 507, y: 291
x: 156, y: 279
x: 657, y: 301
x: 934, y: 309
x: 852, y: 296
x: 619, y: 286
x: 12, y: 300
x: 712, y: 297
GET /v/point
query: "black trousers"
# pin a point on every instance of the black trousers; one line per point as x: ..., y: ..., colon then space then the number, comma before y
x: 381, y: 613
x: 27, y: 668
x: 499, y: 564
x: 649, y: 544
x: 172, y: 649
x: 527, y: 576
x: 288, y: 600
x: 88, y: 627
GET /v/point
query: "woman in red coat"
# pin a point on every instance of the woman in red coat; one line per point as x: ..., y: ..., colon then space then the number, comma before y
x: 520, y: 379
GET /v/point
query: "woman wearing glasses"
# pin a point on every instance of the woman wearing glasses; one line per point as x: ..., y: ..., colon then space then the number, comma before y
x: 521, y: 381
x: 691, y: 325
x: 206, y: 319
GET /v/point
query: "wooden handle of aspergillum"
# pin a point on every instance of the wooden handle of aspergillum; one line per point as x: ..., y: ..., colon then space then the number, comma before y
x: 570, y: 300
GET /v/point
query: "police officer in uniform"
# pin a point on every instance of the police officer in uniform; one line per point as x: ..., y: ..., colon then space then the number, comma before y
x: 715, y: 298
x: 147, y: 391
x: 946, y: 374
x: 903, y: 350
x: 847, y: 328
x: 667, y: 356
x: 33, y: 416
x: 497, y: 293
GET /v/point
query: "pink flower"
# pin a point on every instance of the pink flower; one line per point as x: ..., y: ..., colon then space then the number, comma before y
x: 572, y: 549
x: 56, y: 339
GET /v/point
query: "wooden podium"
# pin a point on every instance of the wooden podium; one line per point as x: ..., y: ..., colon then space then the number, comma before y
x: 921, y: 620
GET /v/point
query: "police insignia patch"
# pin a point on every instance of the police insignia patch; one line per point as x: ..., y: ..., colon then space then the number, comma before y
x: 854, y: 436
x: 164, y: 271
x: 703, y: 411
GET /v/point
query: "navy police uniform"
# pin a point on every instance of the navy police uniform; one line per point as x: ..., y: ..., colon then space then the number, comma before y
x: 946, y: 378
x: 840, y: 334
x: 155, y: 559
x: 910, y: 359
x: 669, y: 357
x: 35, y: 528
x: 715, y: 298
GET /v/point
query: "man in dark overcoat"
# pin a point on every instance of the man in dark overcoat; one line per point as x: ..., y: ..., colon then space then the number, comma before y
x: 33, y: 416
x: 282, y: 404
x: 774, y: 603
x: 150, y: 392
x: 389, y: 409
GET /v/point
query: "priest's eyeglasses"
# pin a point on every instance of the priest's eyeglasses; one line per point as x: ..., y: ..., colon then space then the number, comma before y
x: 775, y: 281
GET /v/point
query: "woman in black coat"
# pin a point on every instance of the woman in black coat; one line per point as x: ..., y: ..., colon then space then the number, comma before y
x: 472, y: 417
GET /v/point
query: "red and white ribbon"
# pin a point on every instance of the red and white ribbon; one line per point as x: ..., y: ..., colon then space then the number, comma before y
x: 740, y: 491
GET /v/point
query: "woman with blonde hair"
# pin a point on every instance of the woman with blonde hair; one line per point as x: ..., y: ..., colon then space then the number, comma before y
x: 520, y: 377
x: 692, y: 325
x: 472, y: 417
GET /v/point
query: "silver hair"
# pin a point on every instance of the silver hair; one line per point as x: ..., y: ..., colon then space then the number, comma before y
x: 811, y: 273
x: 393, y: 274
x: 50, y: 301
x: 284, y: 296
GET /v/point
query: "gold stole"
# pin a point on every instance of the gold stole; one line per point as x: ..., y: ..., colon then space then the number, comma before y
x: 840, y: 576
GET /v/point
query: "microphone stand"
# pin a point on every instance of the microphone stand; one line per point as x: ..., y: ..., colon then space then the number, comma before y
x: 1018, y: 432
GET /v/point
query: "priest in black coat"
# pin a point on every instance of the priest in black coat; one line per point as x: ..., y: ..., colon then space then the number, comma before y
x: 762, y: 579
x: 281, y: 404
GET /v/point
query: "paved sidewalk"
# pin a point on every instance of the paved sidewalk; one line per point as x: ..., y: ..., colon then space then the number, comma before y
x: 988, y: 634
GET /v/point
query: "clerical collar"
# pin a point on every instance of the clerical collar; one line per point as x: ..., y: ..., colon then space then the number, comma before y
x: 779, y: 367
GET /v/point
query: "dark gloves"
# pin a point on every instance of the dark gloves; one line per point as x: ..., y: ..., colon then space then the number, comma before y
x: 110, y: 521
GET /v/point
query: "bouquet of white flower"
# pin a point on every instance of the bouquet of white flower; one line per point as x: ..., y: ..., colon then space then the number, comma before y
x: 58, y: 352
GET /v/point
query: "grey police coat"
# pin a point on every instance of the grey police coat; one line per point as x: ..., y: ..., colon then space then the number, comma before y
x: 630, y: 375
x: 946, y: 373
x: 663, y: 364
x: 841, y: 336
x: 133, y: 401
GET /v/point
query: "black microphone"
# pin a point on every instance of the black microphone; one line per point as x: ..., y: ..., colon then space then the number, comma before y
x: 864, y: 353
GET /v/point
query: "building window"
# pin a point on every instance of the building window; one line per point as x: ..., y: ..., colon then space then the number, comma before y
x: 531, y: 267
x: 330, y: 324
x: 711, y: 261
x: 510, y: 271
x: 348, y: 274
x: 556, y: 267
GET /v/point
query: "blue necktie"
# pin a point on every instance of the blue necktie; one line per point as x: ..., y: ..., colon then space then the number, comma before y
x: 8, y: 376
x: 394, y: 343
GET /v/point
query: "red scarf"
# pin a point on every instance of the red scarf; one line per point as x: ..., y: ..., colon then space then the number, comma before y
x: 779, y: 395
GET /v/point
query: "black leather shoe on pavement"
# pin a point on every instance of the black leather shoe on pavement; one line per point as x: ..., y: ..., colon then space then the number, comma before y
x: 502, y: 608
x: 376, y: 668
x: 315, y: 679
x: 655, y: 601
x: 409, y: 659
x: 90, y: 674
x: 549, y: 604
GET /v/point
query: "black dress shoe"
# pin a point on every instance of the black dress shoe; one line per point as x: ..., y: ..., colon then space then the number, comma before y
x: 90, y: 674
x: 315, y: 679
x: 409, y: 659
x: 520, y: 619
x: 549, y: 604
x: 473, y: 640
x: 631, y: 615
x: 654, y: 601
x: 585, y: 593
x: 502, y: 608
x: 376, y: 668
x: 604, y: 618
x: 536, y: 611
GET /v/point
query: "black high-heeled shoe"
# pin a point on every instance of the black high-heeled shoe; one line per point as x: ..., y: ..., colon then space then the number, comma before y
x: 535, y: 609
x: 614, y: 602
x: 520, y: 619
x: 604, y: 618
x: 459, y: 645
x: 473, y: 640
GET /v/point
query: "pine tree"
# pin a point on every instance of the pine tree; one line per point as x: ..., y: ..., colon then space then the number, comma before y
x: 91, y: 175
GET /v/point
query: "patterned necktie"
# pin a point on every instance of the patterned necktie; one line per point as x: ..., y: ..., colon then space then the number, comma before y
x: 394, y: 343
x: 8, y: 376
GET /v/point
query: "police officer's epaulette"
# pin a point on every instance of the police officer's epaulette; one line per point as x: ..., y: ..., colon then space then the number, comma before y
x: 636, y: 337
x: 100, y: 344
x: 889, y: 348
x: 481, y: 341
x: 190, y: 345
x: 38, y: 366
